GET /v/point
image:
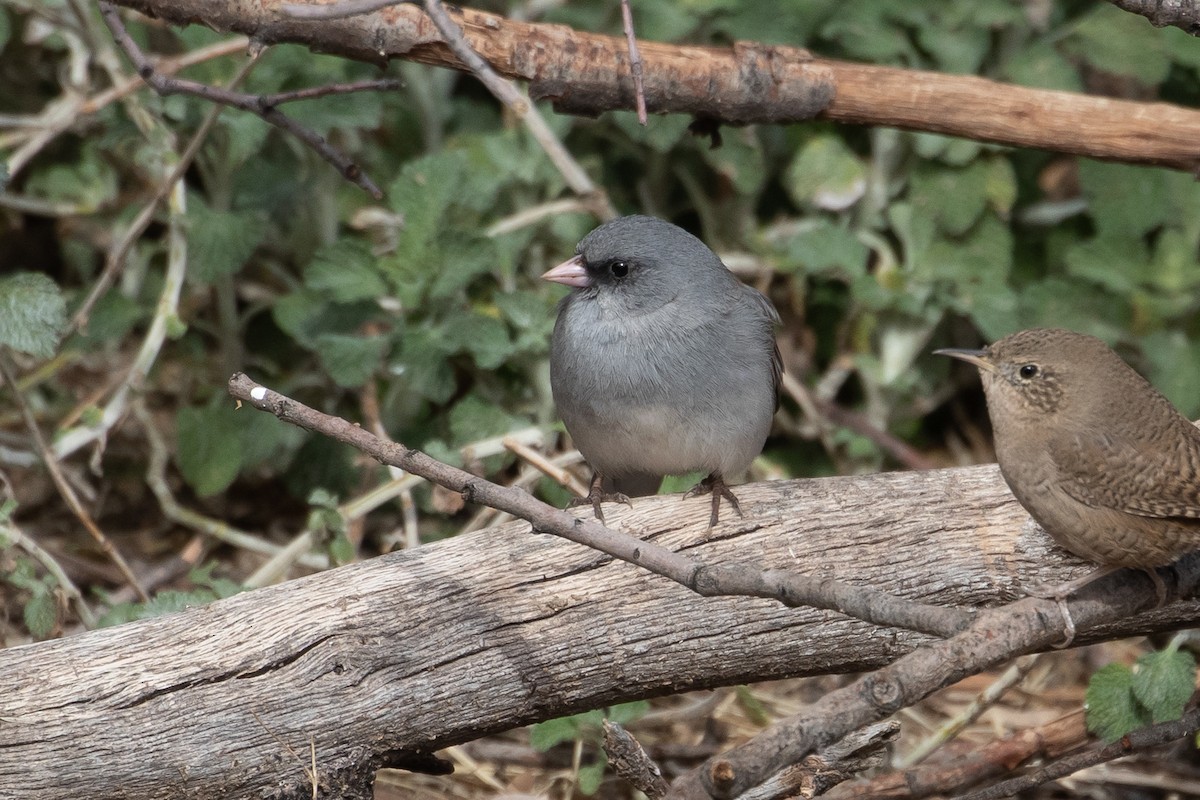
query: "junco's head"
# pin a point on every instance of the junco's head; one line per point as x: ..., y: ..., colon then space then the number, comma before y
x: 640, y: 263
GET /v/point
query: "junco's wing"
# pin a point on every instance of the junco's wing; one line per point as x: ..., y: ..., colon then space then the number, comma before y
x: 768, y: 312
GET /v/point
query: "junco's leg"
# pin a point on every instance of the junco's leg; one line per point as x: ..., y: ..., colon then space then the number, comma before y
x: 715, y: 485
x: 597, y: 496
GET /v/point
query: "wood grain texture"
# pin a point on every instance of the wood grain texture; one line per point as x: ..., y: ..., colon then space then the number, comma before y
x: 589, y: 73
x: 418, y: 650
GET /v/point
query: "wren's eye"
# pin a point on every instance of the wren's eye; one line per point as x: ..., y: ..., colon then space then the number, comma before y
x: 619, y: 269
x: 1028, y: 371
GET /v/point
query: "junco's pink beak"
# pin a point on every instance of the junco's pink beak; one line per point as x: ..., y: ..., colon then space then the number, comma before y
x: 570, y: 273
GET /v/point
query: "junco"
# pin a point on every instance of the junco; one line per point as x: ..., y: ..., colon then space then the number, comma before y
x: 662, y: 362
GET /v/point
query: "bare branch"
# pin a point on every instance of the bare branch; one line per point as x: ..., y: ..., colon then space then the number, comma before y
x: 589, y: 73
x: 246, y: 102
x: 729, y: 579
x: 1098, y: 754
x: 507, y: 93
x: 68, y: 494
x: 1183, y: 14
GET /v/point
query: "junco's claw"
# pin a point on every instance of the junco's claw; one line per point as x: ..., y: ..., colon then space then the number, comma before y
x: 715, y: 485
x: 597, y: 496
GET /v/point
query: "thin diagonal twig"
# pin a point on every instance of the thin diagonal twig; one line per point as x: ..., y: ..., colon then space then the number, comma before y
x: 729, y: 579
x: 507, y: 93
x: 635, y: 61
x: 252, y: 103
x: 114, y: 260
x: 1097, y: 754
x: 63, y: 485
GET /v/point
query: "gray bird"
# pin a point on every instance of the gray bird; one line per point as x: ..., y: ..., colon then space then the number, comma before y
x: 662, y: 362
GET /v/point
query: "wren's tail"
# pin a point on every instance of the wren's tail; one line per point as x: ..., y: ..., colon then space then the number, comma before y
x: 638, y: 484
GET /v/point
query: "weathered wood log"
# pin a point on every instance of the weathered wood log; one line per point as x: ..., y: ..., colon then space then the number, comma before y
x: 377, y: 663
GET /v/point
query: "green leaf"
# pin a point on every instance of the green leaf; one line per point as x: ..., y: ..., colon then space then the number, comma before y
x: 1112, y: 709
x: 867, y: 33
x: 545, y: 735
x: 5, y: 31
x: 1041, y: 66
x: 306, y: 315
x: 661, y: 133
x: 32, y: 313
x: 1124, y: 201
x: 322, y: 462
x: 353, y: 111
x: 1176, y: 267
x: 955, y: 198
x: 341, y: 550
x: 473, y: 418
x: 171, y: 601
x: 1000, y: 184
x: 625, y: 713
x: 1108, y: 262
x: 960, y: 49
x: 41, y: 614
x: 465, y: 258
x: 422, y: 364
x: 826, y: 247
x: 1121, y: 43
x: 264, y: 438
x: 1165, y: 351
x: 484, y: 337
x: 527, y: 312
x: 948, y: 149
x: 827, y: 174
x: 1060, y: 303
x: 351, y: 360
x: 1163, y: 681
x: 592, y: 775
x: 112, y: 318
x: 1181, y: 46
x: 423, y: 193
x: 754, y: 708
x: 220, y: 242
x: 674, y: 484
x: 345, y: 271
x: 90, y: 181
x: 221, y: 587
x: 208, y: 447
x: 739, y: 159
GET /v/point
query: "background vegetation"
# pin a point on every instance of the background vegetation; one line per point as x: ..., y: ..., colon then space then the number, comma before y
x: 423, y: 313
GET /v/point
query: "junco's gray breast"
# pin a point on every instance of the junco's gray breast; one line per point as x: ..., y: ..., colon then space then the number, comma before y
x: 662, y: 362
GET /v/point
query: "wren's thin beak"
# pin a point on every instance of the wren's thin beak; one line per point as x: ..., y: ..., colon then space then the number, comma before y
x: 570, y: 273
x: 977, y: 357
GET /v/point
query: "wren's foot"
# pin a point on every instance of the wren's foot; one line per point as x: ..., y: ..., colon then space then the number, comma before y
x: 715, y: 485
x: 597, y: 496
x: 1059, y: 594
x: 1062, y: 591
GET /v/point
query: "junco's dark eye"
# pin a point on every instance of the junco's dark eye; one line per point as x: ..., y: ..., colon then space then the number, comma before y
x: 1028, y: 371
x: 619, y: 269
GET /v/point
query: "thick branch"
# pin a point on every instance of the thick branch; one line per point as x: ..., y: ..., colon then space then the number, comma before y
x: 589, y: 73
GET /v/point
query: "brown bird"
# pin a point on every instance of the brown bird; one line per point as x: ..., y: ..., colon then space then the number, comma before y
x: 1096, y: 455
